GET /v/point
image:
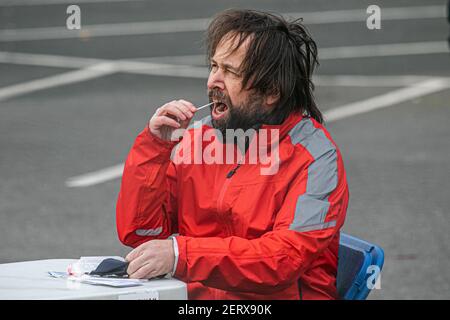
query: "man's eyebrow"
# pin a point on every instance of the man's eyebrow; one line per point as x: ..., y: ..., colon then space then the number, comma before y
x: 226, y: 65
x: 230, y: 67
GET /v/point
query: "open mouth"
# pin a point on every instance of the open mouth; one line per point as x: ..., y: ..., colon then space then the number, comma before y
x: 219, y: 110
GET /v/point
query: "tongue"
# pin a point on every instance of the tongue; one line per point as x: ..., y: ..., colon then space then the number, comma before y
x: 219, y: 110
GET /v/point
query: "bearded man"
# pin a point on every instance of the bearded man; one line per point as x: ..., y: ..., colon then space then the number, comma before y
x: 226, y: 229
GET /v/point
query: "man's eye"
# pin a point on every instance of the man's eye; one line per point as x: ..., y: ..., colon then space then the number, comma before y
x: 234, y: 73
x: 213, y: 67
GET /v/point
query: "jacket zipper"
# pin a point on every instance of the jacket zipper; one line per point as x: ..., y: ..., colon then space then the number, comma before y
x: 226, y: 184
x: 223, y: 192
x: 232, y: 172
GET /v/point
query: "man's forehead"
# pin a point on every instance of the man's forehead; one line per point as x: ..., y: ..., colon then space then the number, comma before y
x: 228, y: 52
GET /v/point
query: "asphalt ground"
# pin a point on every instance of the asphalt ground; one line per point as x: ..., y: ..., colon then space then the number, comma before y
x: 397, y: 157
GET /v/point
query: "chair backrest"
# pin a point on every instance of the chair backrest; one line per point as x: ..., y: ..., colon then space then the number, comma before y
x: 358, y: 260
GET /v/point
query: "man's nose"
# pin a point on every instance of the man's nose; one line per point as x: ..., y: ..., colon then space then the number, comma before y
x: 215, y: 80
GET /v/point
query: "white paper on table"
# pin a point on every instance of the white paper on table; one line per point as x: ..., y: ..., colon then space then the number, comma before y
x: 110, y: 282
x: 58, y: 274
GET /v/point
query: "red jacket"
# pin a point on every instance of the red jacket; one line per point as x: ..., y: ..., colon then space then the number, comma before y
x: 248, y: 235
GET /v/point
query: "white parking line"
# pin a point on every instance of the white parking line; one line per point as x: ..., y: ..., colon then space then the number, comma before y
x: 162, y: 69
x: 93, y: 68
x: 384, y: 50
x: 92, y: 72
x: 160, y: 65
x: 418, y: 86
x: 104, y: 30
x: 93, y: 178
x: 387, y: 99
x: 190, y: 25
x: 372, y: 81
x: 183, y: 71
x: 359, y: 15
x: 347, y: 52
x: 331, y: 53
x: 47, y: 60
x: 381, y: 101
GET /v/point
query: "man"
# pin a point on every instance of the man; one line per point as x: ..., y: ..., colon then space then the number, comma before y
x: 242, y: 233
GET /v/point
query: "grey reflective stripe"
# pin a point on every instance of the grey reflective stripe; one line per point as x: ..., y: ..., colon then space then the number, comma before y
x: 149, y: 232
x: 316, y: 227
x: 312, y: 206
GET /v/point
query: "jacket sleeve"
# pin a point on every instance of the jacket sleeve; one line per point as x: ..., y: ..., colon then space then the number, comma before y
x: 146, y: 205
x: 312, y: 213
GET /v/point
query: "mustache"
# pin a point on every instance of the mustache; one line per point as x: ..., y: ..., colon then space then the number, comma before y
x: 217, y: 95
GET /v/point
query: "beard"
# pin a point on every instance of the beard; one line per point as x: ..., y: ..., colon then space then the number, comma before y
x: 251, y: 114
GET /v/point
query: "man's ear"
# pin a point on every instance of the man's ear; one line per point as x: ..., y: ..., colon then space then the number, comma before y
x: 272, y: 99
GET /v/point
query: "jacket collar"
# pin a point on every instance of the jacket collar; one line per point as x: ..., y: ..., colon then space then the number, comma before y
x: 286, y: 126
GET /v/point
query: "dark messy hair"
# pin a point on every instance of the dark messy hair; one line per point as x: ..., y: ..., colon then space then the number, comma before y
x: 280, y: 59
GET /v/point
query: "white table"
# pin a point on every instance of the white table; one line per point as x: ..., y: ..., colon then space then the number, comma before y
x: 30, y: 280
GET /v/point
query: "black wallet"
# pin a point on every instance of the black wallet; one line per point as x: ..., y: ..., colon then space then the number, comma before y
x: 111, y: 268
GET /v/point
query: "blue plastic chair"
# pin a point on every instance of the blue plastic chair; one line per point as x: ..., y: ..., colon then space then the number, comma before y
x: 355, y: 258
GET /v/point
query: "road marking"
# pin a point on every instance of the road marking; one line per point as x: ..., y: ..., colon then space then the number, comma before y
x: 331, y: 53
x: 372, y: 81
x: 162, y: 69
x: 88, y: 73
x: 387, y: 99
x: 194, y: 25
x: 94, y: 68
x: 104, y: 30
x: 93, y: 178
x: 47, y: 60
x: 359, y: 15
x: 158, y: 65
x: 381, y: 101
x: 383, y: 50
x: 183, y: 71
